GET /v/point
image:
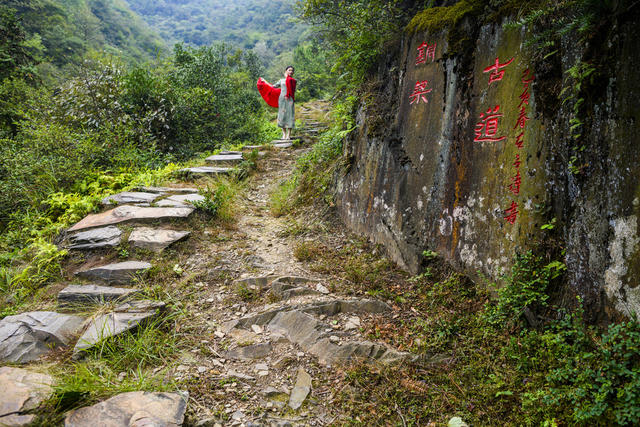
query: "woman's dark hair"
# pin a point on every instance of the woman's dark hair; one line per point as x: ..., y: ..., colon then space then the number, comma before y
x: 289, y: 66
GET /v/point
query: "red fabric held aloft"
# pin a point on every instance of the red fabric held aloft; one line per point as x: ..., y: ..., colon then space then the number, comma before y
x: 269, y: 93
x: 291, y: 87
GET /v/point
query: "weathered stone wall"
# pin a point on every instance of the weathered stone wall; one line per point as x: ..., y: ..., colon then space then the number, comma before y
x: 450, y: 150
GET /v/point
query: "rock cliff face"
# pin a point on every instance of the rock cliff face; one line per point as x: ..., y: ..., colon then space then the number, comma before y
x: 471, y: 153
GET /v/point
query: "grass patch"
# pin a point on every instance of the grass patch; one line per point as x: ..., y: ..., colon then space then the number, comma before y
x: 281, y: 201
x: 134, y: 361
x: 493, y: 373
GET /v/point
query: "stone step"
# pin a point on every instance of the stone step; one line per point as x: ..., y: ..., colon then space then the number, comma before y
x: 126, y: 317
x: 123, y: 214
x: 252, y: 147
x: 121, y: 273
x: 154, y: 239
x: 205, y: 170
x: 23, y: 391
x: 80, y: 296
x: 27, y: 336
x: 224, y: 159
x: 282, y: 144
x: 175, y: 190
x: 97, y: 238
x: 186, y: 198
x: 134, y: 408
x: 131, y: 198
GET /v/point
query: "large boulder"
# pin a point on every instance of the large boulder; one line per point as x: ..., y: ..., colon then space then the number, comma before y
x: 23, y: 391
x: 27, y: 336
x: 136, y: 408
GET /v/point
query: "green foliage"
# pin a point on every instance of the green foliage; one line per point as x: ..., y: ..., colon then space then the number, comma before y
x: 437, y: 18
x: 313, y: 65
x: 264, y: 26
x: 217, y: 200
x: 355, y: 32
x: 526, y: 287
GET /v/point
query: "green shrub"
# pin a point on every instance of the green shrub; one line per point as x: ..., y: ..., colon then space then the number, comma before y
x: 526, y: 288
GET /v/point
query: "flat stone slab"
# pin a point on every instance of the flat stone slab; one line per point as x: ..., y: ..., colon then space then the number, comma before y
x: 186, y: 198
x: 83, y: 295
x: 129, y: 197
x: 301, y: 390
x: 134, y: 409
x: 249, y: 352
x: 168, y: 189
x: 252, y: 147
x: 120, y: 273
x: 155, y: 240
x: 22, y: 391
x: 206, y: 170
x: 124, y: 318
x: 224, y: 158
x: 129, y: 214
x: 167, y: 203
x: 104, y: 237
x: 228, y: 153
x: 282, y: 144
x: 27, y: 336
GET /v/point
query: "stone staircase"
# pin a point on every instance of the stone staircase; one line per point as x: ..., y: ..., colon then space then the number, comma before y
x: 303, y: 324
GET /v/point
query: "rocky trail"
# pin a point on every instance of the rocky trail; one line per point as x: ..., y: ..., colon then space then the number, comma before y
x: 260, y: 337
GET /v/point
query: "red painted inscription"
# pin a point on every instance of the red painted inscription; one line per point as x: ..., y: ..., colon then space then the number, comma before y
x: 496, y: 70
x: 487, y: 128
x: 419, y: 92
x: 426, y: 51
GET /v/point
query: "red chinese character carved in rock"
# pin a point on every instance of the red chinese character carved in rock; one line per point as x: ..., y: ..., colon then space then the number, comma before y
x: 511, y: 214
x: 519, y: 141
x: 487, y: 127
x: 524, y: 98
x: 515, y: 184
x: 496, y: 72
x: 516, y: 162
x: 419, y: 92
x: 527, y: 77
x: 426, y: 51
x: 522, y: 118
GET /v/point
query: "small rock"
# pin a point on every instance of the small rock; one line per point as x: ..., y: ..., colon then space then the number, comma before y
x: 457, y: 422
x: 257, y: 329
x: 300, y: 390
x: 233, y: 374
x: 261, y: 367
x: 334, y: 339
x: 263, y: 373
x: 300, y: 354
x: 219, y: 334
x: 237, y: 415
x: 322, y: 289
x: 256, y: 351
x: 202, y: 369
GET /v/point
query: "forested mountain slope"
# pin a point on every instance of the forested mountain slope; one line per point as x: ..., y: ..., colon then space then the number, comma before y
x: 61, y: 32
x: 263, y: 25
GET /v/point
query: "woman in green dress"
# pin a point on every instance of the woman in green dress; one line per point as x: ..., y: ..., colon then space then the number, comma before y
x: 286, y: 102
